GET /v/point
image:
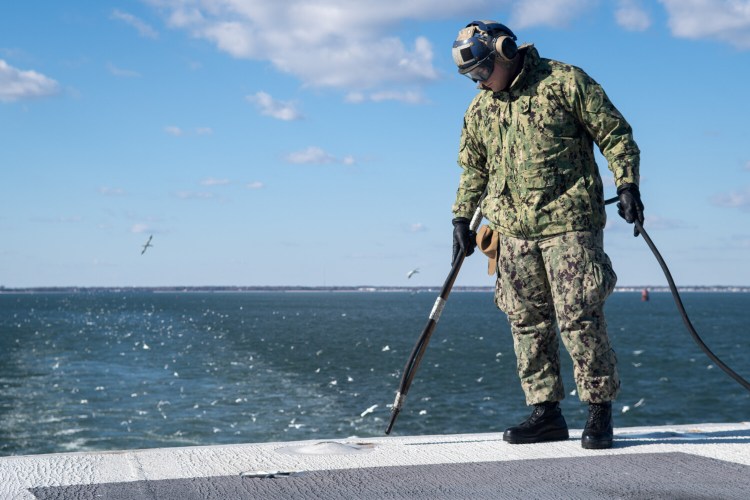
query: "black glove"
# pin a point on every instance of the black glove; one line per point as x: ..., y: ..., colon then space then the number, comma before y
x: 630, y: 207
x: 464, y: 239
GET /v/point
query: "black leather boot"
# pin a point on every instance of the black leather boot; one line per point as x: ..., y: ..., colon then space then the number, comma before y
x: 597, y: 435
x: 546, y: 423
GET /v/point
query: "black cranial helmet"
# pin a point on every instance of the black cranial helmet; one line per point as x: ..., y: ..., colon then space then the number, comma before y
x: 478, y: 44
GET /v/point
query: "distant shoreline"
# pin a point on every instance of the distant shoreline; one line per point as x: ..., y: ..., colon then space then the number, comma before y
x: 225, y: 289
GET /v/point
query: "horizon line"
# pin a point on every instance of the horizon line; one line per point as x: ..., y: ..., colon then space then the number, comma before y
x: 361, y: 288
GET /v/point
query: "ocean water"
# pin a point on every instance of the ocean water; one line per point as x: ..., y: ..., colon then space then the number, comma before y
x: 123, y: 370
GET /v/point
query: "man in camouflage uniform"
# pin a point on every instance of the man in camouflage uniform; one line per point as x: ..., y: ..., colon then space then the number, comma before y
x: 527, y: 142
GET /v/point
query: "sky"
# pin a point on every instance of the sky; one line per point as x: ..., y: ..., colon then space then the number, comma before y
x: 314, y: 142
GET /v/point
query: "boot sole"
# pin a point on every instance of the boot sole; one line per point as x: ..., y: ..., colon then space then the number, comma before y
x: 596, y: 445
x: 544, y: 438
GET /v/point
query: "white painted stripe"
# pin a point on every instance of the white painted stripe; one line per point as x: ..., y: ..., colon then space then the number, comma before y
x: 437, y: 309
x: 728, y: 442
x: 399, y: 402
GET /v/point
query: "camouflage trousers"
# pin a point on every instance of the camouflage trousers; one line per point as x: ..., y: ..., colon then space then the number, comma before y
x: 560, y: 281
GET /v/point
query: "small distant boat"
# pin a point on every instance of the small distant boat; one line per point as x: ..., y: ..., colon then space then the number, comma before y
x: 644, y: 295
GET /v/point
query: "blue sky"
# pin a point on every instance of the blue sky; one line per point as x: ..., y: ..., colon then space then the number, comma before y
x: 312, y: 142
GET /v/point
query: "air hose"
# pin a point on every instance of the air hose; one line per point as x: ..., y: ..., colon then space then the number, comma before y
x: 678, y: 301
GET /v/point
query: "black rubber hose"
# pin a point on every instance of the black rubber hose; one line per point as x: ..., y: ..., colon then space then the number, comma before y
x: 419, y: 349
x: 675, y: 294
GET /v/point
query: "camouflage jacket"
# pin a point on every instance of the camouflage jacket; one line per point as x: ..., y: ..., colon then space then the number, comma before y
x: 532, y: 148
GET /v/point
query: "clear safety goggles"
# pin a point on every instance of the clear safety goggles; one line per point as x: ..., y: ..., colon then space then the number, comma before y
x: 483, y: 70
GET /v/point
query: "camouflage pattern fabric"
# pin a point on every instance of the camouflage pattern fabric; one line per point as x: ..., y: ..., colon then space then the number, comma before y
x: 567, y: 278
x: 532, y: 147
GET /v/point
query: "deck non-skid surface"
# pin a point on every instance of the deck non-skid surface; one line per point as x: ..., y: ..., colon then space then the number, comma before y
x: 663, y: 476
x: 693, y: 462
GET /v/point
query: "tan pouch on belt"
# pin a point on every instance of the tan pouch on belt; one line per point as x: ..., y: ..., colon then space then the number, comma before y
x: 488, y: 242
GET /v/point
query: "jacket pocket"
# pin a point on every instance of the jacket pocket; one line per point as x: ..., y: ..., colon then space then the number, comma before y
x: 538, y: 178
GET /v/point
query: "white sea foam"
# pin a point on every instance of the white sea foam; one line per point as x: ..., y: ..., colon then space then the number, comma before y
x: 70, y: 362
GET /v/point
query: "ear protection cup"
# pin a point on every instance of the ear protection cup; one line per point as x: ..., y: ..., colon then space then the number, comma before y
x: 505, y: 47
x: 502, y: 39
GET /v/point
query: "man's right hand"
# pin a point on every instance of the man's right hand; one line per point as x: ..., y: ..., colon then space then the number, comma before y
x: 464, y: 239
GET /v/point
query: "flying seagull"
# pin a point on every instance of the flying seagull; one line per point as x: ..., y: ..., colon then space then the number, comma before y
x: 147, y: 244
x: 412, y: 273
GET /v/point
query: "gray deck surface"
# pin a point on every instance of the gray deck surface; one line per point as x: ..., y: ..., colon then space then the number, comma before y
x: 702, y: 461
x: 663, y: 476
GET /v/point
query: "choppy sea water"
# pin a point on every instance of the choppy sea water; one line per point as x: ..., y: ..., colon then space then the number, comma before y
x: 107, y: 370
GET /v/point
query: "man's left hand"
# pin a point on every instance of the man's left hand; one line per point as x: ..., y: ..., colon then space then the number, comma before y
x: 630, y: 206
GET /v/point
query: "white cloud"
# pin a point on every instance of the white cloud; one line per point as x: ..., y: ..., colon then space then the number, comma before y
x: 617, y: 225
x: 417, y: 228
x: 59, y: 219
x: 194, y: 195
x: 724, y: 20
x: 359, y: 46
x: 355, y: 97
x: 16, y: 84
x: 173, y: 130
x: 733, y: 199
x: 556, y: 13
x: 179, y: 131
x: 139, y: 228
x: 143, y: 29
x: 631, y: 15
x: 653, y: 221
x: 313, y: 154
x: 408, y: 96
x: 268, y: 106
x: 324, y: 43
x: 110, y: 191
x: 214, y: 182
x: 254, y: 185
x: 123, y: 73
x: 9, y: 52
